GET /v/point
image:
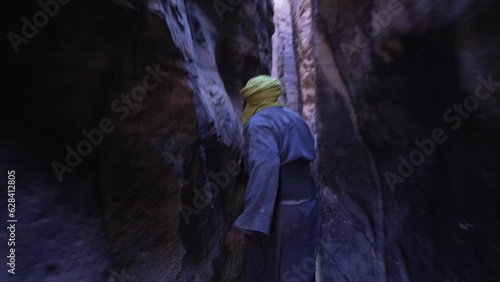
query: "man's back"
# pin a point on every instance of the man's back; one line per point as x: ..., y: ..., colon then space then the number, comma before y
x: 292, y: 134
x: 274, y: 137
x: 281, y: 201
x: 281, y: 212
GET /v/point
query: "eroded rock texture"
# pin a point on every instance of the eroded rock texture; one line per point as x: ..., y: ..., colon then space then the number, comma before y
x: 376, y: 94
x: 116, y: 216
x: 293, y: 59
x: 370, y: 77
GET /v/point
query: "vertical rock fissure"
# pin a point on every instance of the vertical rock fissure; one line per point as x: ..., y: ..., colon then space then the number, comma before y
x: 284, y: 53
x: 302, y: 23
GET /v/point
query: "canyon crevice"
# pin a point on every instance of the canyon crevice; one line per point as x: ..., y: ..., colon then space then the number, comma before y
x: 122, y: 120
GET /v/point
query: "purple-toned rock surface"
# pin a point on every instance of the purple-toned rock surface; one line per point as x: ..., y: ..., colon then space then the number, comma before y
x: 116, y: 215
x: 387, y: 73
x: 122, y: 120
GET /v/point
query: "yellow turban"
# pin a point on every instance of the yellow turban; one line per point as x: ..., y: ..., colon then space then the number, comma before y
x: 260, y: 92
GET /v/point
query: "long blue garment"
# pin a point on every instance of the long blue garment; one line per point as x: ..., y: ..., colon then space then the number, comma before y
x: 274, y: 136
x: 283, y: 242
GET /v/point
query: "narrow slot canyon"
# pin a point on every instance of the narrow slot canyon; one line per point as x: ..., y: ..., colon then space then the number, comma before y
x: 123, y: 123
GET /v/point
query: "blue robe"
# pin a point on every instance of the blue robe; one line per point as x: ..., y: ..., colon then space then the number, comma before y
x: 283, y: 226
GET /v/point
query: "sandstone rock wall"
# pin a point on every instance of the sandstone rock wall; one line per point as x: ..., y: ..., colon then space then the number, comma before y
x: 376, y: 81
x: 387, y: 74
x: 134, y: 207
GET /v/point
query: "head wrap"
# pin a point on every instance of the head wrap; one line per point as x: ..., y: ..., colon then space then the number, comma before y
x: 260, y: 92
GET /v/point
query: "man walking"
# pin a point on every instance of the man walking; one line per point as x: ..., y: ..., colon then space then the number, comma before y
x: 281, y: 219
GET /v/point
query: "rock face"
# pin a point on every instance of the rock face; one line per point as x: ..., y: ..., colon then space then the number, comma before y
x: 150, y: 195
x: 293, y: 59
x: 388, y: 76
x: 122, y: 121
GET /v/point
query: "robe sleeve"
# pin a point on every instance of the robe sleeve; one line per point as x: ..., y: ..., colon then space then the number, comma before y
x: 263, y: 168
